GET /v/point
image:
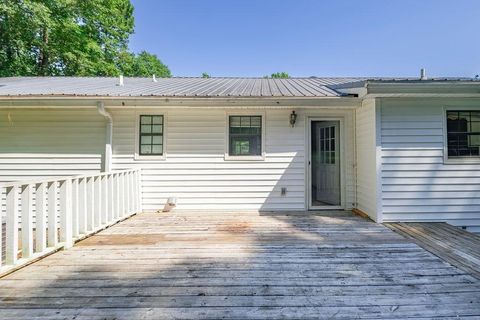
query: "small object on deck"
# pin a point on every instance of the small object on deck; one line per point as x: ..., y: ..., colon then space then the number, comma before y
x: 171, y: 203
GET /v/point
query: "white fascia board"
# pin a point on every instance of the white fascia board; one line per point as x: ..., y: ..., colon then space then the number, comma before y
x: 122, y: 102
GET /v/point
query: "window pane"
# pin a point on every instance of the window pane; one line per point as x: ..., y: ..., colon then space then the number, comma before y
x: 145, y: 149
x: 145, y: 119
x: 157, y: 120
x: 146, y: 140
x: 157, y: 149
x: 245, y: 121
x: 256, y: 122
x: 157, y: 139
x: 156, y: 128
x: 475, y: 126
x: 146, y: 129
x: 474, y: 140
x: 234, y: 121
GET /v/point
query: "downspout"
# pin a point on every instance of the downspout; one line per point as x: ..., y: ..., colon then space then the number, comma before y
x: 108, y: 136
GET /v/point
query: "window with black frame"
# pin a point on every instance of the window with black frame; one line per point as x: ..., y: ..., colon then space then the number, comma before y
x: 463, y: 134
x: 245, y: 135
x: 151, y: 135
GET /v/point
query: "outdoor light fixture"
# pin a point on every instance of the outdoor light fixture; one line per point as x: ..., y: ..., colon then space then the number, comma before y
x: 293, y: 118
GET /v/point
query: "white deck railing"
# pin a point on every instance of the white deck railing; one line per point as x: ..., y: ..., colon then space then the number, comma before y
x: 44, y: 216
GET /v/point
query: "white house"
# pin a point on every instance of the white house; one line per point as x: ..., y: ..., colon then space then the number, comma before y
x: 394, y: 149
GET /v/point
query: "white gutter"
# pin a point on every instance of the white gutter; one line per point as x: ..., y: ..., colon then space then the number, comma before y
x: 108, y: 136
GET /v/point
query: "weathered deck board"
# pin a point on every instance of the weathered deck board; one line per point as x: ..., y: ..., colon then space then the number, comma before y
x: 241, y: 266
x: 458, y: 247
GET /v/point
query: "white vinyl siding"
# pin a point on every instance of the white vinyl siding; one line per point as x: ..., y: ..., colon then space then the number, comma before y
x: 417, y: 184
x: 38, y: 143
x: 367, y: 195
x: 196, y: 172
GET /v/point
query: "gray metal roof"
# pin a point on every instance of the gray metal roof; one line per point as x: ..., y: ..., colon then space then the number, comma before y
x: 189, y: 87
x: 172, y: 87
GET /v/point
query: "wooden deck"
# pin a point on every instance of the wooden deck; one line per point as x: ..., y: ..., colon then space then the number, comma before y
x: 458, y: 247
x: 241, y: 266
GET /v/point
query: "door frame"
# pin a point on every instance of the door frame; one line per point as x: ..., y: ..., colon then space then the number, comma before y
x: 308, y: 161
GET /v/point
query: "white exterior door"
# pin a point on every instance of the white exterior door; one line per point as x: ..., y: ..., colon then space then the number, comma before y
x: 325, y: 164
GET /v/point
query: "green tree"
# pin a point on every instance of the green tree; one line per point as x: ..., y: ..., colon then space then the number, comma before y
x: 280, y: 75
x: 142, y: 65
x: 205, y: 75
x: 66, y: 37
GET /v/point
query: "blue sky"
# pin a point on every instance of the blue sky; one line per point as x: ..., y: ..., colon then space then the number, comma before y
x: 311, y: 37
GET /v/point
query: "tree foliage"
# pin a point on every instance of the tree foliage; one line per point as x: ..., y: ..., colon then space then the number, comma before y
x: 142, y: 65
x: 205, y: 75
x: 282, y: 75
x: 70, y: 37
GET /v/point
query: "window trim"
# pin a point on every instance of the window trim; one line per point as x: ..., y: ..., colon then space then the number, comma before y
x: 137, y: 155
x: 227, y: 156
x: 457, y: 160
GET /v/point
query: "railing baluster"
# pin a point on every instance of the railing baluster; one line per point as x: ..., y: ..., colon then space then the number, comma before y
x: 40, y: 218
x: 11, y: 254
x: 52, y: 214
x: 90, y: 182
x: 82, y: 206
x: 121, y: 180
x: 116, y: 195
x: 104, y: 199
x: 75, y: 208
x: 97, y: 202
x: 134, y: 193
x: 66, y: 213
x: 27, y: 221
x: 138, y: 191
x: 111, y: 190
x: 127, y: 193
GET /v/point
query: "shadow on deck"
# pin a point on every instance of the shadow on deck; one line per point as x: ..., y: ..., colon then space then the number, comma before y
x: 241, y: 266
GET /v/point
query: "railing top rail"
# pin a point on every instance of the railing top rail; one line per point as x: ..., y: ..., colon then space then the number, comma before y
x: 63, y: 178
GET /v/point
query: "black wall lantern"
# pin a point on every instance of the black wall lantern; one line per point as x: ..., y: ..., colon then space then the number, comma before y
x: 293, y: 119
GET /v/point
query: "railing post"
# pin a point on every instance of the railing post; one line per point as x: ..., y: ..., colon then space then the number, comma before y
x: 12, y: 226
x: 104, y: 201
x: 52, y: 214
x: 90, y: 203
x: 82, y: 206
x: 66, y: 213
x: 40, y: 218
x: 75, y: 208
x: 27, y: 221
x: 97, y: 202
